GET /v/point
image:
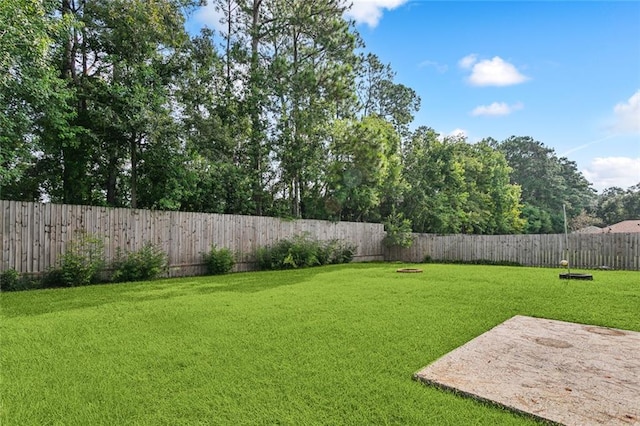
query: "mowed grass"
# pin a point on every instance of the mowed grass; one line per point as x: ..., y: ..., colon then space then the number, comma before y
x: 330, y: 345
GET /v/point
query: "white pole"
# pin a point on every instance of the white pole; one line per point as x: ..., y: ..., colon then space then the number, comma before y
x: 566, y: 241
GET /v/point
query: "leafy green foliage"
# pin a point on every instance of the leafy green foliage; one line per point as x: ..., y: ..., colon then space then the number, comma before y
x: 11, y: 280
x: 145, y: 264
x: 538, y: 220
x: 379, y: 95
x: 31, y: 93
x: 81, y: 264
x: 365, y: 168
x: 617, y: 204
x: 113, y: 103
x: 398, y: 230
x: 219, y: 261
x: 547, y: 183
x: 583, y: 220
x: 336, y: 251
x: 302, y: 251
x: 299, y: 251
x: 456, y: 187
x: 311, y: 73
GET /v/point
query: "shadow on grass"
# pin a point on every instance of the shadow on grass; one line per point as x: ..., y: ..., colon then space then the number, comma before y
x: 39, y: 302
x: 252, y: 282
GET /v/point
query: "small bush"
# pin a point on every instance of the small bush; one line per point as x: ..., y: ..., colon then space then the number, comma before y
x: 145, y: 264
x: 288, y: 254
x: 219, y: 261
x: 337, y: 252
x: 80, y: 265
x: 303, y: 251
x: 10, y: 280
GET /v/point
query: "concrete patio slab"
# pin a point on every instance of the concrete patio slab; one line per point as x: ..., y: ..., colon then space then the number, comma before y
x: 572, y: 374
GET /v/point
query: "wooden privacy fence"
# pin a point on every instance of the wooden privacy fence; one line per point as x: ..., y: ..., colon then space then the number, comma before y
x: 617, y: 251
x: 35, y: 235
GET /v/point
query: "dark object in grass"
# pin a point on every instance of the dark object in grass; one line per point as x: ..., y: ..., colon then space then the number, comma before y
x: 575, y: 276
x: 409, y: 270
x: 428, y: 259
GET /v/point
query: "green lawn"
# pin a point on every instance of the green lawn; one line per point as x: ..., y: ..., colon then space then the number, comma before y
x: 330, y: 345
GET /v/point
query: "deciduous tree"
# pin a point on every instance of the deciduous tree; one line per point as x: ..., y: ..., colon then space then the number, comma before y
x: 547, y: 183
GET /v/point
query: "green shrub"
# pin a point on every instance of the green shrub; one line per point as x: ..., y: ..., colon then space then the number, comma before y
x: 145, y: 264
x: 9, y: 280
x: 287, y: 254
x: 337, y: 252
x: 80, y: 265
x: 303, y: 251
x: 398, y: 231
x: 219, y: 261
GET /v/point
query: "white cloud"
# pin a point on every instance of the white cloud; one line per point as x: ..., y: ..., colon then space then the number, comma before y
x: 209, y: 16
x: 627, y: 115
x: 468, y: 61
x: 496, y: 109
x: 605, y: 172
x: 491, y: 72
x: 441, y: 68
x: 454, y: 134
x: 362, y: 11
x: 370, y: 11
x: 458, y: 133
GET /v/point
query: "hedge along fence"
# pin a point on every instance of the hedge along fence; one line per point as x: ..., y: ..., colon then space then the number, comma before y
x: 617, y: 251
x: 35, y: 235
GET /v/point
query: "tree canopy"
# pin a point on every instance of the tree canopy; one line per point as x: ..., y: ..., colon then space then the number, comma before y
x: 283, y: 112
x: 547, y: 182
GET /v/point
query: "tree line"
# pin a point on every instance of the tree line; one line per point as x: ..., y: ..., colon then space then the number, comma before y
x: 282, y: 112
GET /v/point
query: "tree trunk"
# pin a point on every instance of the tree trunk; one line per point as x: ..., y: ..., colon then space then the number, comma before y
x: 297, y: 163
x: 255, y: 150
x: 134, y: 171
x: 112, y: 180
x: 74, y: 183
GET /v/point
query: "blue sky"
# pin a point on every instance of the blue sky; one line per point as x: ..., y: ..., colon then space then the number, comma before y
x: 566, y: 73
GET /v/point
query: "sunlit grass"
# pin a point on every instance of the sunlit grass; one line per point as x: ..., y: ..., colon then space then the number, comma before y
x: 330, y: 345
